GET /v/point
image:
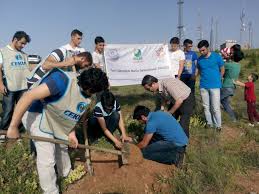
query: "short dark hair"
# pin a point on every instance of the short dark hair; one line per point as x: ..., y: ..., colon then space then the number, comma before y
x: 94, y: 80
x: 187, y: 41
x: 98, y: 39
x: 175, y: 40
x: 203, y: 43
x: 254, y: 76
x: 107, y: 99
x: 76, y: 31
x: 238, y: 55
x: 148, y: 80
x: 87, y: 55
x: 236, y: 47
x: 139, y: 111
x: 21, y: 34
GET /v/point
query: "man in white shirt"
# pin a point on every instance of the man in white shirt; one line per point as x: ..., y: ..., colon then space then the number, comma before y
x: 74, y: 45
x: 177, y: 57
x: 67, y: 51
x: 70, y: 57
x: 71, y: 49
x: 98, y: 54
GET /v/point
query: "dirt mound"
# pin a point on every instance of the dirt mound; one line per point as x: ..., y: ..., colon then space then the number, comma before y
x: 135, y: 156
x: 139, y: 176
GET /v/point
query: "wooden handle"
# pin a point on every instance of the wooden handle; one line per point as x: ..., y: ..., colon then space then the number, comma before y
x: 57, y: 141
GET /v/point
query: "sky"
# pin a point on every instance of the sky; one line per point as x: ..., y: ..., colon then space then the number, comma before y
x: 50, y: 22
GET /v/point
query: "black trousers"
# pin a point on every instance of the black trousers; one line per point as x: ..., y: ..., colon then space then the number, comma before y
x: 94, y: 130
x: 185, y: 112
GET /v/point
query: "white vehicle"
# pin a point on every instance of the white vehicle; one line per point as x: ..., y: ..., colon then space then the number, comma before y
x: 34, y: 59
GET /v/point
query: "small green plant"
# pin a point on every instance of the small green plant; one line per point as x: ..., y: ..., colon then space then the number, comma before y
x: 18, y: 172
x: 73, y: 176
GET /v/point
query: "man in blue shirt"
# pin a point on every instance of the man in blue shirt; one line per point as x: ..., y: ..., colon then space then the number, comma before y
x: 211, y: 69
x: 164, y: 140
x: 188, y: 74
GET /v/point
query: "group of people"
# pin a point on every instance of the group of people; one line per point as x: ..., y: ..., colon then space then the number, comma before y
x: 164, y: 140
x: 51, y: 98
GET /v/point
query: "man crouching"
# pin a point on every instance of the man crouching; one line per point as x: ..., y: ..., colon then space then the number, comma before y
x: 164, y: 140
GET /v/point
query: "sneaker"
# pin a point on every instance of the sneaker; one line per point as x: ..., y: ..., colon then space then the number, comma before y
x: 179, y: 160
x: 2, y: 138
x: 218, y: 129
x: 208, y: 126
x: 251, y: 125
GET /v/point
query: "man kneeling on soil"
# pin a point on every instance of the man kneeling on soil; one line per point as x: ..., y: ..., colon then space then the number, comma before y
x: 106, y: 119
x: 164, y: 140
x: 55, y: 104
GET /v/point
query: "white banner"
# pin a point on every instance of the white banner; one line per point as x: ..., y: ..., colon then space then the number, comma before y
x: 127, y: 64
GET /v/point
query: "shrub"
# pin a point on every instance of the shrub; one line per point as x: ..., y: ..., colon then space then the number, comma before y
x: 18, y: 172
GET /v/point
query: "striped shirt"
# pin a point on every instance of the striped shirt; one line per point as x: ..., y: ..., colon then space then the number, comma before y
x: 60, y: 55
x: 173, y: 88
x: 63, y: 52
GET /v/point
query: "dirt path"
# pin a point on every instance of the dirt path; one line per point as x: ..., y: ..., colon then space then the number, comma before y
x: 140, y: 176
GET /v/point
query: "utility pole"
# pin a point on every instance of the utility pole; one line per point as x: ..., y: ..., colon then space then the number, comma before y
x: 250, y: 35
x: 243, y: 26
x: 212, y: 36
x: 216, y: 36
x: 199, y: 28
x: 180, y: 21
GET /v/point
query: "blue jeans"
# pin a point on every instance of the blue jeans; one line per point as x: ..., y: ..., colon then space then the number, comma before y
x: 163, y: 152
x: 211, y: 105
x: 8, y: 104
x: 225, y: 94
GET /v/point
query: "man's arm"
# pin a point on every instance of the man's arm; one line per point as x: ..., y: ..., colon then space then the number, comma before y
x: 222, y: 71
x: 197, y: 72
x: 96, y: 61
x: 181, y: 66
x: 177, y: 104
x: 108, y: 134
x: 51, y: 63
x: 3, y: 89
x: 40, y: 92
x: 145, y: 141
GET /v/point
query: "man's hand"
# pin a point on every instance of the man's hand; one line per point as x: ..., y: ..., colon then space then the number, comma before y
x: 193, y: 77
x: 118, y: 144
x: 3, y: 89
x: 13, y: 133
x: 126, y: 138
x: 72, y: 139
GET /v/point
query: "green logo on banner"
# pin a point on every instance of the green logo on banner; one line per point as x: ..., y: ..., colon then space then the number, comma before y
x: 137, y: 54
